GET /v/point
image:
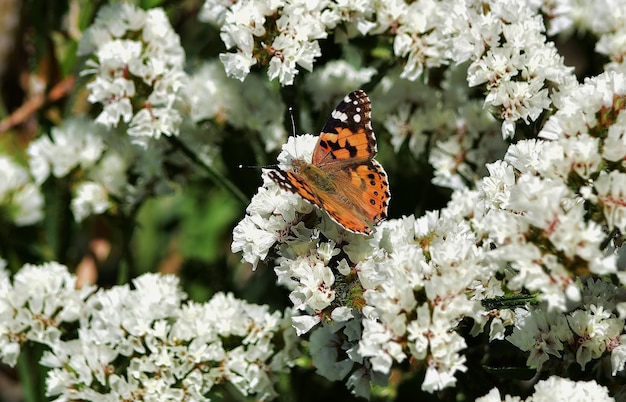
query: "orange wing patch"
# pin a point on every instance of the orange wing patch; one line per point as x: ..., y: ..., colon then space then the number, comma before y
x: 343, y: 178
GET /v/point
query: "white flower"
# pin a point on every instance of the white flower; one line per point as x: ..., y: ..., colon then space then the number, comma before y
x: 91, y: 198
x: 141, y: 48
x: 76, y: 143
x: 143, y: 331
x: 281, y: 34
x: 594, y: 328
x: 212, y: 95
x: 611, y: 189
x: 29, y: 203
x: 538, y: 332
x: 564, y: 390
x: 34, y: 306
x: 618, y: 354
x: 556, y: 389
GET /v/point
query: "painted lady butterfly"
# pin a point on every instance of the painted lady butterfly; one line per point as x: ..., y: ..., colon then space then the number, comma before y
x: 343, y: 178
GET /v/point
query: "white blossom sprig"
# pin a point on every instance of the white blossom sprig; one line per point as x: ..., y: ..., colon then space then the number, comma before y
x: 136, y: 63
x: 141, y: 343
x: 540, y: 219
x: 363, y: 292
x: 283, y: 35
x: 556, y: 389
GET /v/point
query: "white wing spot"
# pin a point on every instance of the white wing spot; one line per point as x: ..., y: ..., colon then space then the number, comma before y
x: 356, y: 118
x: 341, y: 116
x: 347, y: 98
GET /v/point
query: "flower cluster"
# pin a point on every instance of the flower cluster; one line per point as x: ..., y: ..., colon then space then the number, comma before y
x: 586, y: 333
x: 540, y: 197
x: 558, y: 390
x: 141, y: 343
x: 602, y: 18
x: 505, y: 41
x: 137, y: 67
x: 79, y: 148
x: 455, y: 133
x: 359, y: 296
x: 140, y: 82
x: 21, y: 200
x: 281, y: 34
x: 539, y: 220
x: 34, y: 306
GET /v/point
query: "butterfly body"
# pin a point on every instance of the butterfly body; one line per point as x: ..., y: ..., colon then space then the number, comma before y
x: 343, y: 178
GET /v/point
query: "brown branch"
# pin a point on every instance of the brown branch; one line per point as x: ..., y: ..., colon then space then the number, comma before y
x: 32, y: 105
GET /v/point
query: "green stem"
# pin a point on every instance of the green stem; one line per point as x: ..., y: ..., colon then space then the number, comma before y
x: 29, y: 374
x: 213, y: 174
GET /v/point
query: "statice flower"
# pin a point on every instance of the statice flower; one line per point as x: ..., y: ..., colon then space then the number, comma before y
x: 141, y: 343
x: 282, y: 35
x: 90, y: 199
x: 35, y: 304
x: 362, y: 298
x: 540, y: 219
x: 83, y: 149
x: 20, y: 198
x: 76, y: 144
x: 442, y: 125
x: 136, y: 68
x: 557, y: 389
x: 519, y: 72
x: 589, y: 331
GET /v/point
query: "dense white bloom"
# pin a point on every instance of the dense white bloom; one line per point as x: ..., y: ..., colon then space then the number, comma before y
x: 557, y: 389
x: 284, y: 35
x: 587, y: 332
x: 294, y: 28
x: 94, y: 158
x: 137, y: 69
x: 78, y: 143
x: 171, y: 349
x: 611, y: 189
x: 606, y: 20
x: 35, y: 304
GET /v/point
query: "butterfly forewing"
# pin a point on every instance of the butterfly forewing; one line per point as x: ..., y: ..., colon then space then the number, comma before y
x: 348, y: 134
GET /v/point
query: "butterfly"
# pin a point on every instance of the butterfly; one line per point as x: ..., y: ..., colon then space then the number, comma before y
x: 343, y: 178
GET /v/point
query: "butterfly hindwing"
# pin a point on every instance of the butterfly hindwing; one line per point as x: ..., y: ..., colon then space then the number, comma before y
x: 290, y: 181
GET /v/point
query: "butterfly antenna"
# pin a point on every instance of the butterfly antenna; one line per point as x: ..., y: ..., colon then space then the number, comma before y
x: 274, y: 166
x: 293, y: 122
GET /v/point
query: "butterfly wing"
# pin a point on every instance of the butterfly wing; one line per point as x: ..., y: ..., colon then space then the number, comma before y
x: 361, y: 199
x: 348, y: 133
x: 290, y: 181
x: 343, y: 178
